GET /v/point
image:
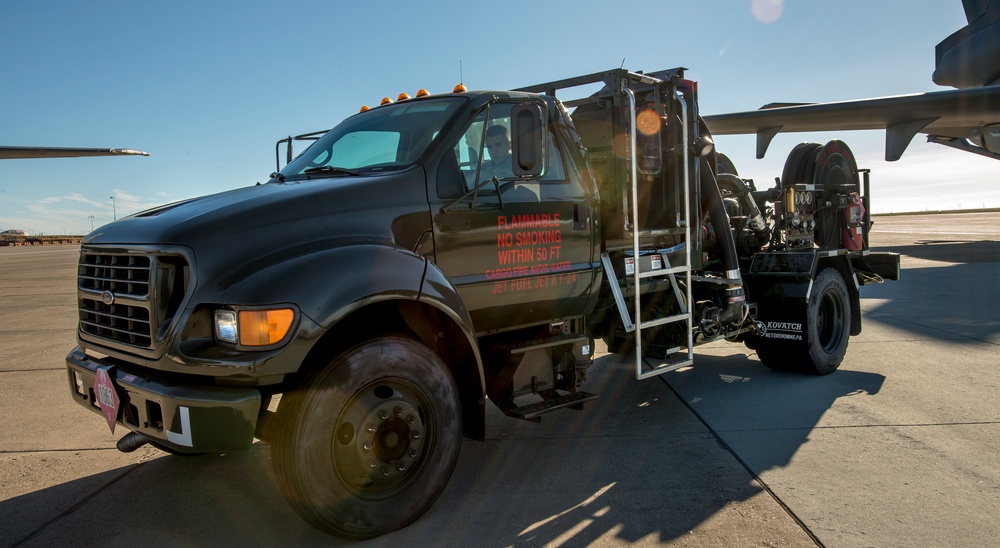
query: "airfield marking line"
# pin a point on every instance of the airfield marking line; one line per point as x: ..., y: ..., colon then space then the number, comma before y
x: 575, y: 437
x: 64, y: 330
x: 34, y: 451
x: 846, y: 426
x: 925, y: 231
x: 767, y: 489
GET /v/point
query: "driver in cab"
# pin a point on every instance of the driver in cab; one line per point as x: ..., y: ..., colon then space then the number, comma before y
x: 498, y: 146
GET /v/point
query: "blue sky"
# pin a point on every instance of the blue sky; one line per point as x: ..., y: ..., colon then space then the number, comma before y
x: 207, y: 88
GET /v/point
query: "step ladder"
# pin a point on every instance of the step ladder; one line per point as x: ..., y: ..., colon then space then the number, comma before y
x: 678, y: 357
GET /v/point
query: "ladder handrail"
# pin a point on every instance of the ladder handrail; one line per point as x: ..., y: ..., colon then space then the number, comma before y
x: 637, y: 274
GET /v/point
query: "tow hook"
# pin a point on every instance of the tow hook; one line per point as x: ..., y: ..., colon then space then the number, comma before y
x: 131, y: 442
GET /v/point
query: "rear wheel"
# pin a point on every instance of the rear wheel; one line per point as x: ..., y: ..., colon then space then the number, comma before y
x: 369, y: 441
x: 826, y: 331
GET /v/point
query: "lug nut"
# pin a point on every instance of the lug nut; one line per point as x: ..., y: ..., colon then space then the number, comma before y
x: 372, y: 464
x: 385, y: 470
x: 371, y: 428
x: 416, y: 434
x: 401, y: 467
x: 383, y: 414
x: 367, y: 447
x: 410, y: 419
x: 398, y: 411
x: 414, y: 452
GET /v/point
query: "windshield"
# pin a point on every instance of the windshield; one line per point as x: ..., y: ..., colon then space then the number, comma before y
x: 382, y: 139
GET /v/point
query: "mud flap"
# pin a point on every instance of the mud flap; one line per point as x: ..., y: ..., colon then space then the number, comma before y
x: 782, y: 312
x: 779, y: 283
x: 805, y: 311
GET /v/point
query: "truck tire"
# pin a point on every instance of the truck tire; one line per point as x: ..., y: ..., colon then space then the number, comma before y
x: 827, y: 330
x: 369, y: 441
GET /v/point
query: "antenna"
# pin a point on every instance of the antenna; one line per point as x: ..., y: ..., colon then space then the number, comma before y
x: 623, y: 63
x: 461, y: 77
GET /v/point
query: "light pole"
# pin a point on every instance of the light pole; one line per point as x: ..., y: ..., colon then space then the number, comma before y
x: 114, y: 209
x: 91, y: 217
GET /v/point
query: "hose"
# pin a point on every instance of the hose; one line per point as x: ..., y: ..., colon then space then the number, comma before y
x: 711, y: 202
x: 741, y: 192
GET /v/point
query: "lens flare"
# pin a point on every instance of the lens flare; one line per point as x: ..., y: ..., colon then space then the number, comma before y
x: 767, y: 11
x: 647, y: 122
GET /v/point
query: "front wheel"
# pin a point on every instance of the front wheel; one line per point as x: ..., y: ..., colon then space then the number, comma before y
x: 826, y: 331
x: 369, y: 441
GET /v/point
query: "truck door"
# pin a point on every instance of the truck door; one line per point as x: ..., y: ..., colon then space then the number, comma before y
x: 525, y: 254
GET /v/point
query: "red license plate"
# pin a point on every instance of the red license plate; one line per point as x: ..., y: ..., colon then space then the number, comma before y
x: 107, y: 396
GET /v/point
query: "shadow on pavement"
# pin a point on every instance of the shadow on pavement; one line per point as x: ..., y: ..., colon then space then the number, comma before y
x: 171, y: 500
x: 951, y: 251
x: 955, y: 302
x: 765, y: 416
x: 635, y: 466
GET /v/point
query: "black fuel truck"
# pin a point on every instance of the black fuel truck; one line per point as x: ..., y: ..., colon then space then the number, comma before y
x: 429, y: 254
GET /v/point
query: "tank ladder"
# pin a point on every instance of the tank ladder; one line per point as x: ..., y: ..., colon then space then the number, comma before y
x: 677, y: 357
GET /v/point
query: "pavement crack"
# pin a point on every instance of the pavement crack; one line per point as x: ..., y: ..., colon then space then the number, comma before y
x: 725, y: 446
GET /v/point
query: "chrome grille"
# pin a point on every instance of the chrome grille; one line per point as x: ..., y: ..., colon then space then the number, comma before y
x: 120, y: 274
x: 122, y: 323
x: 128, y: 298
x: 116, y: 301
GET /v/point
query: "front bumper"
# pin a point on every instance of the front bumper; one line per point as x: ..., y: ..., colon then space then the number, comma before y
x: 183, y: 417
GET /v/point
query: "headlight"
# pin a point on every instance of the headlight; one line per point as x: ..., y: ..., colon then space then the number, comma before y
x: 226, y: 328
x: 253, y: 327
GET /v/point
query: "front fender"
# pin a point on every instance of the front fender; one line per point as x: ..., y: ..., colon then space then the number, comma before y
x: 328, y: 284
x: 464, y: 359
x: 438, y: 291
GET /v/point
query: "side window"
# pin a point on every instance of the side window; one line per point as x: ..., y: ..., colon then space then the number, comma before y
x: 483, y: 152
x: 470, y: 150
x: 556, y: 170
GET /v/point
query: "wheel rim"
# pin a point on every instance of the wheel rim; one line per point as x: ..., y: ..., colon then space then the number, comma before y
x: 830, y: 321
x: 380, y: 438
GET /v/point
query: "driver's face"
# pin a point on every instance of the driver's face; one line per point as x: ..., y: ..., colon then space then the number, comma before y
x: 498, y: 146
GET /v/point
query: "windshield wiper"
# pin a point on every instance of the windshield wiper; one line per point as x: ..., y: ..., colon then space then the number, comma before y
x: 331, y: 169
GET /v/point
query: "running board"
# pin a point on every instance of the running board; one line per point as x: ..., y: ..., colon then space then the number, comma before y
x: 533, y: 411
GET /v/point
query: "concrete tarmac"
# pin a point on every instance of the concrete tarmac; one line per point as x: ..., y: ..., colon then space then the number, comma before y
x: 897, y: 448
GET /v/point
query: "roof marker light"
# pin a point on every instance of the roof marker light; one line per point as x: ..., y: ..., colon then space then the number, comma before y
x: 403, y: 97
x: 385, y: 101
x: 422, y: 92
x: 460, y: 89
x: 364, y: 108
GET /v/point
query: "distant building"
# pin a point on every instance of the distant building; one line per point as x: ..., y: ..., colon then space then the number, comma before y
x: 13, y: 232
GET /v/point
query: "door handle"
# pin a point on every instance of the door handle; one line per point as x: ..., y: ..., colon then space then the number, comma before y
x: 581, y: 216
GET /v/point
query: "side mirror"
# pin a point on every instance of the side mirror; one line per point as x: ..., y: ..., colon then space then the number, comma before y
x: 526, y: 144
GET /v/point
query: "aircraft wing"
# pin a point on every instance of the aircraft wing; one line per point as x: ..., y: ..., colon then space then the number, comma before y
x: 967, y: 119
x: 9, y: 153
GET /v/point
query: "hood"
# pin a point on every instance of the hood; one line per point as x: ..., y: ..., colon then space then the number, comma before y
x: 234, y: 227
